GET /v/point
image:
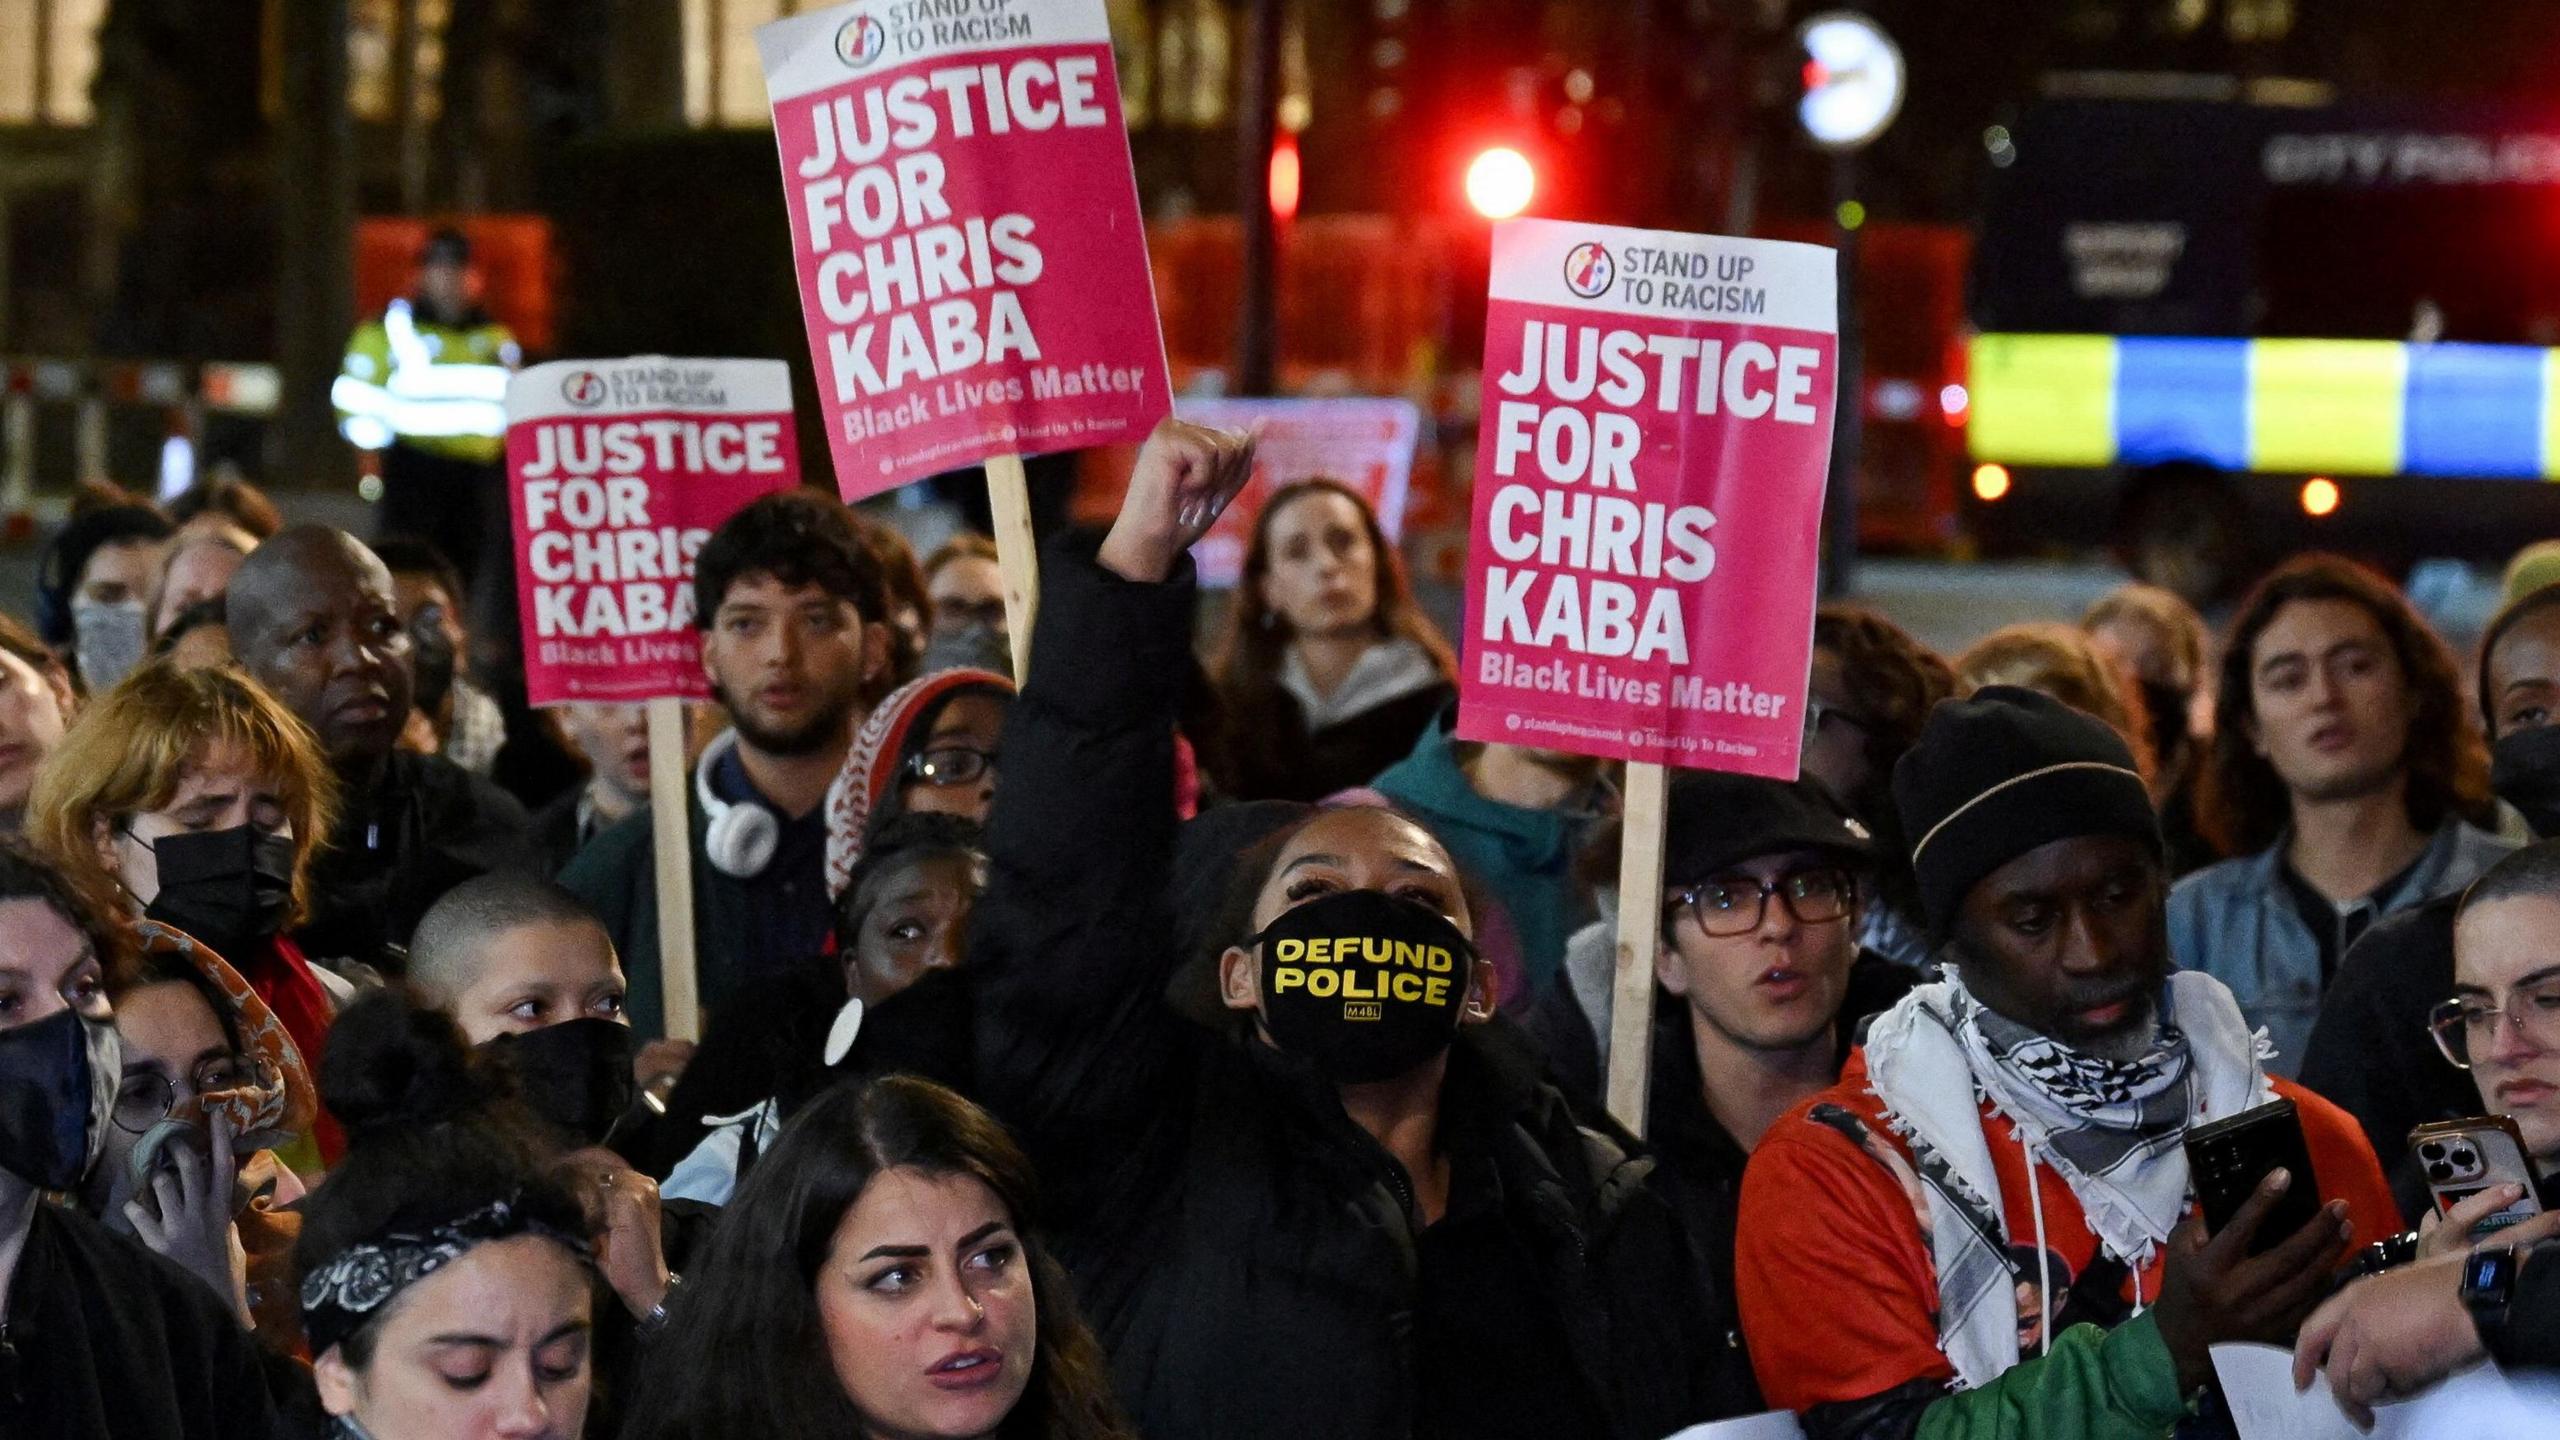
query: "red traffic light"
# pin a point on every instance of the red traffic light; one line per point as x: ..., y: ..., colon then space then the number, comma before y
x: 1284, y: 178
x: 1500, y: 182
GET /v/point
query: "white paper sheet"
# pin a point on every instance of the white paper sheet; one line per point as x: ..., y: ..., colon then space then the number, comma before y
x: 1773, y: 1425
x: 2482, y: 1404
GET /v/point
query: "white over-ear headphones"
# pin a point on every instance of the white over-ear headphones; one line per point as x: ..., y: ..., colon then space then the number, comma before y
x: 742, y: 837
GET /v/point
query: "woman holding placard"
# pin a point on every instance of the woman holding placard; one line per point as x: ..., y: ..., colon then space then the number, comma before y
x: 1352, y: 1180
x: 1329, y: 672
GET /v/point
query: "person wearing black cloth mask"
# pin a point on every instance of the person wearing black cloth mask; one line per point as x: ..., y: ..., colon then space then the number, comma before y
x: 530, y: 977
x: 446, y: 1270
x: 99, y: 1337
x: 194, y: 799
x: 312, y: 618
x: 2370, y: 1051
x: 1361, y: 1182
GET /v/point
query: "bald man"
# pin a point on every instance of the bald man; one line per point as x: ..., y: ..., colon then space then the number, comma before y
x: 311, y: 617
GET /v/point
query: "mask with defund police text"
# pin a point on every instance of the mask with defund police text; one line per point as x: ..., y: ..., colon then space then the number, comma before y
x: 1363, y: 984
x: 58, y: 1081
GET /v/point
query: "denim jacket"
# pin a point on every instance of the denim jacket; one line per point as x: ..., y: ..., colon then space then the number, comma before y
x: 2235, y: 922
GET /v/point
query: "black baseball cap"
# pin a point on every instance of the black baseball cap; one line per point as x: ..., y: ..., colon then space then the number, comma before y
x: 1715, y: 821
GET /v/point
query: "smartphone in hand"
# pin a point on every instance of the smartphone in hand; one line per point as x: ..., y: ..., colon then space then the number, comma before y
x: 2461, y: 1158
x: 2227, y: 1159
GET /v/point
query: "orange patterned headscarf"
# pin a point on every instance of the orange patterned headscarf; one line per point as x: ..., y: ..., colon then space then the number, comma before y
x: 281, y: 1103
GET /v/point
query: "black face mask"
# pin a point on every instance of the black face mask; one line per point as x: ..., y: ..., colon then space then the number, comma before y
x: 431, y: 667
x: 57, y: 1089
x: 2167, y: 707
x: 1364, y: 985
x: 227, y: 888
x: 575, y: 1075
x: 2525, y: 772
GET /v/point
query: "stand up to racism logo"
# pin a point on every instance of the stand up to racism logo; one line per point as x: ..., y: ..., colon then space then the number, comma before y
x: 1589, y: 268
x: 861, y: 41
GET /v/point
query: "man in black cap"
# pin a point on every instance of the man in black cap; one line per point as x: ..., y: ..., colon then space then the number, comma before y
x: 1764, y: 881
x: 2039, y: 1097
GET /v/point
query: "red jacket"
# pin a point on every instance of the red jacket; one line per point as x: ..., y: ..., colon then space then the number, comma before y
x: 1828, y: 1231
x: 283, y: 978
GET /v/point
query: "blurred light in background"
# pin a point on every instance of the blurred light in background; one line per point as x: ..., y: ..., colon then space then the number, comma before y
x: 1990, y: 482
x: 1500, y: 182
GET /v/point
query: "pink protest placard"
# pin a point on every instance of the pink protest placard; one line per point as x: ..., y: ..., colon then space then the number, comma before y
x: 1648, y: 495
x: 617, y: 471
x: 1365, y: 443
x: 973, y: 271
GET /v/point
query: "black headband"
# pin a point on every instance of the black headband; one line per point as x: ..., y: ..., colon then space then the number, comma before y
x: 340, y: 1297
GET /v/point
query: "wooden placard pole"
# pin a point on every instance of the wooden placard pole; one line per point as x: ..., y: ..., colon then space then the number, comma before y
x: 1639, y: 936
x: 671, y: 838
x: 1017, y: 554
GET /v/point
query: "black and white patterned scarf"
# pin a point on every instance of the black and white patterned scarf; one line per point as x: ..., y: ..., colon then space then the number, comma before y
x: 340, y: 1296
x: 2112, y: 1130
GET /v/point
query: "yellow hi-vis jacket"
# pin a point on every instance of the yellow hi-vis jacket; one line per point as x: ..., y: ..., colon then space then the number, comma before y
x: 437, y: 388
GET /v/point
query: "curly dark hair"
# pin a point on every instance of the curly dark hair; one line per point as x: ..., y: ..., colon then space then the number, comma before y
x: 799, y: 537
x: 902, y: 583
x: 1893, y: 681
x: 745, y: 1352
x: 2242, y: 804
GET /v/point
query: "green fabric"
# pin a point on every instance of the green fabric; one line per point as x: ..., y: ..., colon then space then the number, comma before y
x: 2094, y: 1384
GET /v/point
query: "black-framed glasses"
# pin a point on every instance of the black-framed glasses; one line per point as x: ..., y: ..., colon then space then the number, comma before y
x: 2467, y: 1022
x: 951, y: 765
x: 1736, y: 904
x: 145, y: 1097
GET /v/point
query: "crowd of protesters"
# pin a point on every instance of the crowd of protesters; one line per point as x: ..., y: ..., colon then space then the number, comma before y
x: 337, y: 1098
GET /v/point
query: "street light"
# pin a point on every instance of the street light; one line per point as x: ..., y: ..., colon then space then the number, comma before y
x: 1500, y: 182
x: 1853, y: 83
x: 1853, y: 80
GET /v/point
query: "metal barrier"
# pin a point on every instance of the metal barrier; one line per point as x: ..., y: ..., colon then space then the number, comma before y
x: 182, y: 395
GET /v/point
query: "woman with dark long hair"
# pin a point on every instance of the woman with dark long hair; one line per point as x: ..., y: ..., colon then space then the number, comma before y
x: 1329, y: 672
x: 878, y: 1276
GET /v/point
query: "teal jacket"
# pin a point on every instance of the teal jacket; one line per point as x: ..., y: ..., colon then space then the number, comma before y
x: 1522, y: 859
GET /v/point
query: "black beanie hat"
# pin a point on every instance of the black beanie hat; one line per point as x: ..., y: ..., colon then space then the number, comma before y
x: 2003, y: 772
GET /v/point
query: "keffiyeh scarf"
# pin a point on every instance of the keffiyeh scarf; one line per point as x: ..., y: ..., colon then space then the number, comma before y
x: 2111, y: 1129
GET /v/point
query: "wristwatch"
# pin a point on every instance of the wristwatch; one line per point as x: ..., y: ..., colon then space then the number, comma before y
x: 2488, y: 1283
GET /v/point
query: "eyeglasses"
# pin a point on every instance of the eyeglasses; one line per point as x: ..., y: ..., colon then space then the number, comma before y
x: 2533, y: 1009
x: 1737, y: 905
x: 951, y: 765
x: 146, y: 1097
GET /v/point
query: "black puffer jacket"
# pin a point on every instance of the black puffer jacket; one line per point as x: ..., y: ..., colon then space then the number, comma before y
x: 1246, y: 1252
